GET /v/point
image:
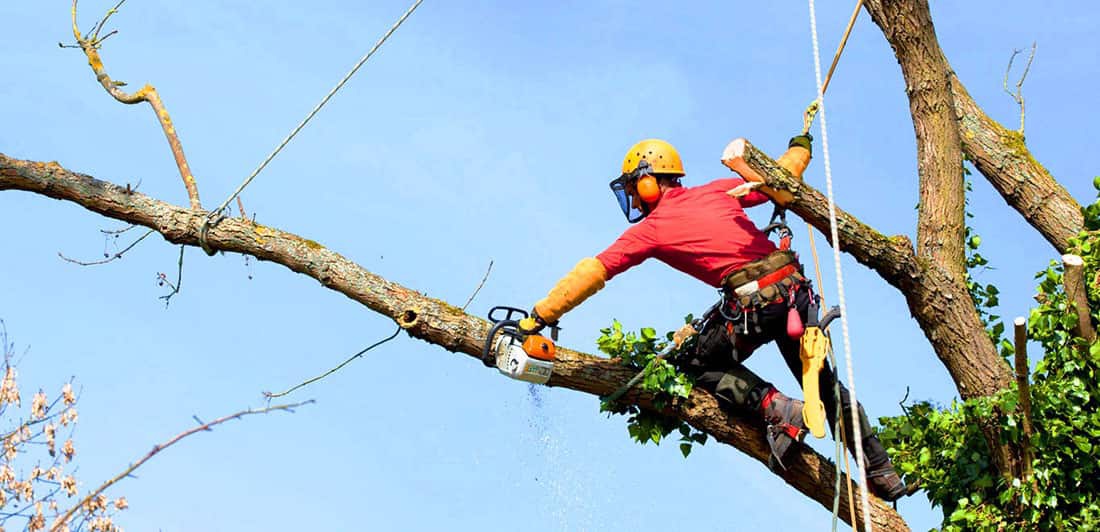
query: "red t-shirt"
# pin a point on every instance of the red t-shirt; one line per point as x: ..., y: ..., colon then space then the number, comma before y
x: 701, y: 231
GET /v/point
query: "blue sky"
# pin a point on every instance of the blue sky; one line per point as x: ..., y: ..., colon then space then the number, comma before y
x: 482, y: 131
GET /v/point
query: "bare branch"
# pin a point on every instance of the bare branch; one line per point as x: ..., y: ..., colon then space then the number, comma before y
x: 89, y: 44
x: 179, y: 280
x: 112, y: 258
x: 478, y: 289
x: 1018, y: 96
x: 60, y: 522
x: 270, y: 395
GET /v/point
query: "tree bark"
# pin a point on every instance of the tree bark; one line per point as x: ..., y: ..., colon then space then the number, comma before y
x: 941, y: 221
x: 1073, y: 280
x: 423, y: 317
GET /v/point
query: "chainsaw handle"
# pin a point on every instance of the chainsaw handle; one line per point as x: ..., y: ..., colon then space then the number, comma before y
x: 486, y: 351
x: 510, y: 316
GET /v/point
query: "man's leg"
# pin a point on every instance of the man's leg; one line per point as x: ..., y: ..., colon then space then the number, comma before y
x: 738, y: 389
x: 883, y: 480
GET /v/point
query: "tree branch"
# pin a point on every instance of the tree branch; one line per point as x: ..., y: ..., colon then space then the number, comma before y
x: 429, y: 319
x: 61, y: 522
x: 1002, y: 157
x: 90, y: 45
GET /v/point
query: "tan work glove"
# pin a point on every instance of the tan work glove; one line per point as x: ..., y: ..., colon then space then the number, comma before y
x: 585, y: 279
x: 681, y: 335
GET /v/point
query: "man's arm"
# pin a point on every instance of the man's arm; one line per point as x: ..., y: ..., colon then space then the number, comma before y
x: 590, y: 275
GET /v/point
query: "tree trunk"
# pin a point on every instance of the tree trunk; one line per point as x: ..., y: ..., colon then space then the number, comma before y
x: 422, y: 317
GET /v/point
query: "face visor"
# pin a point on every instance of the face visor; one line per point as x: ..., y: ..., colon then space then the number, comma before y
x: 623, y: 187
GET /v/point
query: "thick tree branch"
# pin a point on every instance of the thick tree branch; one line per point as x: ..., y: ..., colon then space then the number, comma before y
x: 422, y: 317
x: 1002, y: 157
x: 940, y: 304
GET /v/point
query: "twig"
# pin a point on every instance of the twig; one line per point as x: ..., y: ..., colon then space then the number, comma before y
x: 270, y: 395
x: 117, y: 231
x: 89, y: 44
x: 478, y: 289
x: 60, y: 522
x: 1018, y: 96
x: 179, y: 280
x: 114, y: 257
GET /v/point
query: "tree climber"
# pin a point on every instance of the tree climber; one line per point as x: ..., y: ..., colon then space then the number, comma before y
x: 704, y: 232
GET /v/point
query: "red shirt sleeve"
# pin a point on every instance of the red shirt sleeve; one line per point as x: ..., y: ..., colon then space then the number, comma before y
x: 751, y: 199
x: 634, y: 246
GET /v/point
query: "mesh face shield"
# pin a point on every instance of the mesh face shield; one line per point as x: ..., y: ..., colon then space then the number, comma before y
x: 619, y: 189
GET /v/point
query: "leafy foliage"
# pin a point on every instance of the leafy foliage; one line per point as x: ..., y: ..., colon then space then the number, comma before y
x: 943, y: 448
x: 640, y: 351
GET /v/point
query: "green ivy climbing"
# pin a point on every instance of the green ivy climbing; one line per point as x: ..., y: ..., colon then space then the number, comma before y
x: 943, y: 449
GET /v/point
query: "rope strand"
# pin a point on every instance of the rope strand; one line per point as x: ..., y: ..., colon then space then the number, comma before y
x: 858, y: 439
x: 216, y: 213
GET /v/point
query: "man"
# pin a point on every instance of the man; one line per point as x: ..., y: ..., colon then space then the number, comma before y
x: 704, y: 232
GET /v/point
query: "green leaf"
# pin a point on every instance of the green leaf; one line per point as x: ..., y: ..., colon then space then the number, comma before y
x: 685, y: 448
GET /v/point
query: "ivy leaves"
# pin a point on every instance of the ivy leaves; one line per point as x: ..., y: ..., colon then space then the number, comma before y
x: 943, y: 449
x: 660, y: 378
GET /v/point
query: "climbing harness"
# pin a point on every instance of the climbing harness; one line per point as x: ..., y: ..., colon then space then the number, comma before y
x: 216, y: 215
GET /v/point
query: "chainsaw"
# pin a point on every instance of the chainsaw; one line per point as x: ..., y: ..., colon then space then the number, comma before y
x: 525, y: 357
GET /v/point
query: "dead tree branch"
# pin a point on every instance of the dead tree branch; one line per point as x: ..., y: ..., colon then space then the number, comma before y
x: 90, y: 45
x: 1018, y: 96
x: 420, y: 316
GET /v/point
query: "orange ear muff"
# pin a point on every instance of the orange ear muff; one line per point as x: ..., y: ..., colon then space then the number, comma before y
x: 648, y: 189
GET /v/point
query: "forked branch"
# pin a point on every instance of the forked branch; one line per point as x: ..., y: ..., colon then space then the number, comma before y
x: 90, y: 43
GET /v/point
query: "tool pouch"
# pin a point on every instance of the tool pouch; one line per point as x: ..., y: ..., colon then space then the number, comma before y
x: 760, y: 269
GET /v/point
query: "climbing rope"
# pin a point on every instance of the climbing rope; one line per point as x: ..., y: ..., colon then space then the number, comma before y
x: 215, y: 215
x: 811, y: 110
x: 839, y: 272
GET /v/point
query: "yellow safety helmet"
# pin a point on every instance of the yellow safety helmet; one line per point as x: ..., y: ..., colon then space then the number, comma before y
x: 661, y: 156
x: 643, y: 161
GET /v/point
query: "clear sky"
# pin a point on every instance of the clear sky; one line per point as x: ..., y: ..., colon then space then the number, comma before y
x: 482, y: 131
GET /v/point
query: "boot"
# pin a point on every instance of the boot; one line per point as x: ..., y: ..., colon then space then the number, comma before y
x: 882, y: 480
x: 783, y: 416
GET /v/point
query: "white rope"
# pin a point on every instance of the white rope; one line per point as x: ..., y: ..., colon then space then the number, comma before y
x: 302, y: 124
x: 840, y: 279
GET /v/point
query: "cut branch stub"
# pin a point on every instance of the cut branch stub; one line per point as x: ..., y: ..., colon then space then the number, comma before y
x: 1074, y: 281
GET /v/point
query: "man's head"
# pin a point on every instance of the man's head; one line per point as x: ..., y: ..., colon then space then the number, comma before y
x: 649, y: 167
